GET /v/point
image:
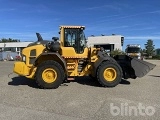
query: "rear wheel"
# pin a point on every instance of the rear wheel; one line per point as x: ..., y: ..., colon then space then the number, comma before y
x: 109, y: 74
x: 50, y: 74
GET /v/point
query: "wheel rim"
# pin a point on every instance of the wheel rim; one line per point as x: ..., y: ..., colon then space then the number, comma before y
x: 49, y: 75
x: 110, y: 74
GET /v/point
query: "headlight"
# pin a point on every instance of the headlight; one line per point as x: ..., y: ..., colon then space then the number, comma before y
x: 24, y: 58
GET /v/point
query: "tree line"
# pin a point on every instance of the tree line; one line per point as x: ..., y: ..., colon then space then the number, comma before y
x: 4, y: 40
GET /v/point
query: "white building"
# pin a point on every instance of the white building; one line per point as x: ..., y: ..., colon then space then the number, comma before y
x: 11, y: 50
x: 107, y: 42
x: 13, y: 46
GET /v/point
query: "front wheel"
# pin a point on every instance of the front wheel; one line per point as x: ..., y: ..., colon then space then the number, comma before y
x: 50, y: 75
x: 109, y: 74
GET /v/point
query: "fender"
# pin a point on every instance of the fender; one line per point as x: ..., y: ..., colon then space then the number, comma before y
x: 102, y: 56
x: 54, y: 56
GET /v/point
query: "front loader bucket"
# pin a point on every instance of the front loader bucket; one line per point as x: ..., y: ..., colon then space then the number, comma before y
x: 133, y: 67
x: 141, y: 67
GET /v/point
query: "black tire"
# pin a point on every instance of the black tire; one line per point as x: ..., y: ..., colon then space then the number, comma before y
x: 58, y: 70
x: 109, y: 65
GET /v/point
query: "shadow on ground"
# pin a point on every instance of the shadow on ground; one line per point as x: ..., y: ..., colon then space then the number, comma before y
x: 154, y: 75
x: 92, y: 82
x: 125, y: 82
x: 20, y: 80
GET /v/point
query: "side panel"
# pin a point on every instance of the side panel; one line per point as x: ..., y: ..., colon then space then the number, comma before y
x: 69, y: 52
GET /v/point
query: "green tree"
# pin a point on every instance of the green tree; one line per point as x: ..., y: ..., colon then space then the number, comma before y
x: 149, y: 46
x: 117, y: 52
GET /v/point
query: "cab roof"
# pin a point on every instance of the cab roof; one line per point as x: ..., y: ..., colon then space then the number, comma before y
x: 71, y: 26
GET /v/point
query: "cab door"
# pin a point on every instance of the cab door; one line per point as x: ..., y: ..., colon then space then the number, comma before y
x: 74, y: 43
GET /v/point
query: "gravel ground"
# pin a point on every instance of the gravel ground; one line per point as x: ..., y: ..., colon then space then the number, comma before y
x: 83, y: 99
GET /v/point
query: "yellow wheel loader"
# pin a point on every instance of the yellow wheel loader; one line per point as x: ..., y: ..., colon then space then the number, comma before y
x: 51, y: 62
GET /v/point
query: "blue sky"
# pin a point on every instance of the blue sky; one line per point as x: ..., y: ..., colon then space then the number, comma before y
x: 136, y: 20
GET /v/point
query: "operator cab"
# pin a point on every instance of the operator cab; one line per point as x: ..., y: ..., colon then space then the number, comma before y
x: 74, y: 37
